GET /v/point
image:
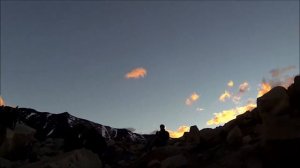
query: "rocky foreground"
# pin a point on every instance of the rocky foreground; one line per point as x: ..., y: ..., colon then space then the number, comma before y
x: 267, y: 136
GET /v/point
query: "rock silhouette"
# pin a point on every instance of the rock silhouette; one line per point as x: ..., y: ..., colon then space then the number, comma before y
x: 266, y: 137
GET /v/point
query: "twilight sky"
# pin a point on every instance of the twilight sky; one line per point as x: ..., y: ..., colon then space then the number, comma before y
x: 140, y: 64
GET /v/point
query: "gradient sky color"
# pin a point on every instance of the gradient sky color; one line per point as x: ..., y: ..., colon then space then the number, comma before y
x: 74, y: 56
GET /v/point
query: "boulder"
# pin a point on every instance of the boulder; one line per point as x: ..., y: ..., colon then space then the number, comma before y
x: 80, y: 158
x: 17, y: 143
x: 210, y: 137
x: 48, y: 148
x: 275, y: 111
x: 193, y: 136
x: 176, y: 161
x: 4, y: 163
x: 235, y: 137
x: 267, y: 103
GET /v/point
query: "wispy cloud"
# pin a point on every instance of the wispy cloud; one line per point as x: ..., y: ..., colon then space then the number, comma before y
x: 136, y: 73
x: 224, y: 96
x: 230, y: 83
x: 281, y: 77
x: 236, y: 99
x: 244, y: 87
x: 199, y: 109
x: 193, y: 97
x: 179, y: 132
x: 280, y: 71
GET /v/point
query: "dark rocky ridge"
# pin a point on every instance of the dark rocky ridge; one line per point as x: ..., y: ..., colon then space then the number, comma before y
x: 267, y: 136
x: 55, y: 125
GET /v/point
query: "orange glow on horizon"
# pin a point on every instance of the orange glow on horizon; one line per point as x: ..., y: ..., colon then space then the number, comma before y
x: 264, y: 88
x: 2, y: 103
x: 227, y: 115
x: 179, y: 132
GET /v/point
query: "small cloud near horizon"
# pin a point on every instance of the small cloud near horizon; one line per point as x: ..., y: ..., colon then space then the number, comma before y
x: 230, y: 83
x: 193, y: 98
x: 199, y: 109
x: 224, y: 96
x: 136, y: 73
x: 227, y: 115
x: 279, y: 71
x: 244, y: 87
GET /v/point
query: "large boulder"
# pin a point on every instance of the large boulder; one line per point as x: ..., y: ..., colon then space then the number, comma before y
x: 193, y: 136
x: 17, y: 143
x: 235, y: 137
x: 269, y: 101
x: 210, y: 137
x: 280, y: 128
x: 48, y: 148
x: 80, y: 158
x: 276, y: 117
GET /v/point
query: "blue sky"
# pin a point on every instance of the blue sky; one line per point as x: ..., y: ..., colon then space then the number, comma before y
x: 73, y: 56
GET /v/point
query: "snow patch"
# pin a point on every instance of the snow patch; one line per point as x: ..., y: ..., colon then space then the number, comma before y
x: 31, y: 114
x: 45, y: 125
x: 50, y: 132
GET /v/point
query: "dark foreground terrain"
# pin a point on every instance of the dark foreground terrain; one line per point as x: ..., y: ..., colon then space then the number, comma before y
x: 267, y: 136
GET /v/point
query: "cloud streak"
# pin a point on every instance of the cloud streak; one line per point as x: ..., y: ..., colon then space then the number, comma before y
x: 230, y: 114
x: 193, y: 98
x: 279, y: 71
x: 244, y: 87
x: 136, y: 73
x: 199, y: 109
x: 224, y: 96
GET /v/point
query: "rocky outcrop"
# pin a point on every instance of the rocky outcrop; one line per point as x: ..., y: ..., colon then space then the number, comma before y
x: 234, y: 137
x: 267, y: 136
x: 193, y: 135
x: 17, y: 143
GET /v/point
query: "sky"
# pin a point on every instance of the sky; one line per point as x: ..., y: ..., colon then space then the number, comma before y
x: 140, y: 64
